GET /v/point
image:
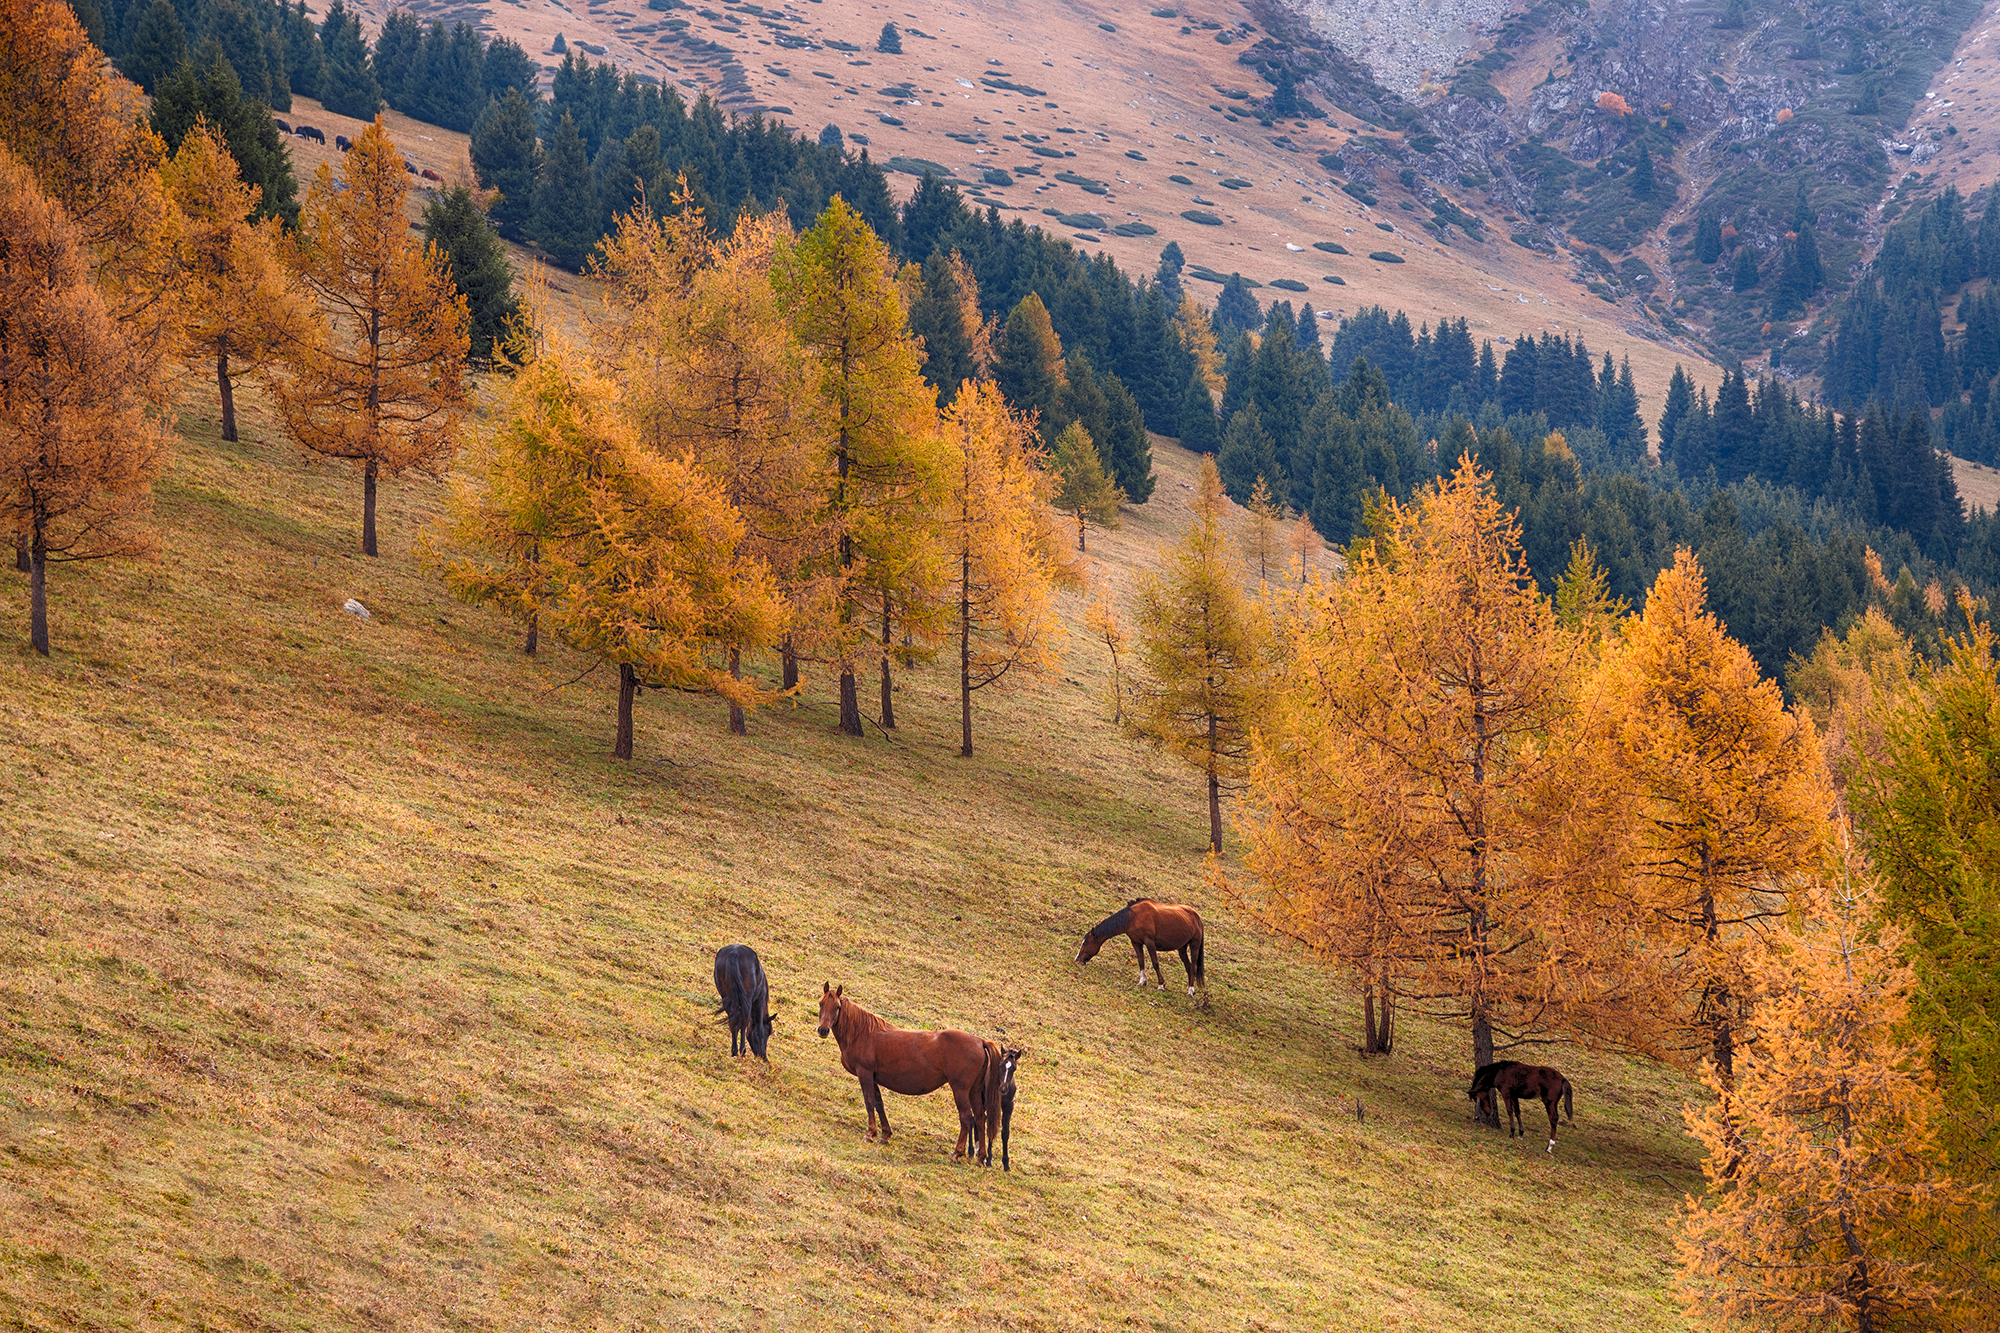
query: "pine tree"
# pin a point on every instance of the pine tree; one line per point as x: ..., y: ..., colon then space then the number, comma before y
x: 1004, y: 559
x: 1168, y: 275
x: 1236, y: 310
x: 1707, y: 238
x: 567, y: 222
x: 233, y: 34
x: 1029, y: 364
x: 838, y: 287
x: 937, y: 315
x: 1196, y: 421
x: 1828, y: 1188
x: 1725, y: 792
x: 1419, y: 812
x: 399, y: 49
x: 155, y: 45
x: 351, y: 89
x: 1204, y: 648
x: 891, y: 40
x: 1643, y: 182
x: 305, y: 59
x: 79, y: 451
x: 211, y: 94
x: 477, y: 266
x: 237, y: 308
x: 383, y: 385
x: 1084, y: 488
x: 1746, y: 269
x: 624, y: 554
x: 1248, y: 455
x: 505, y: 155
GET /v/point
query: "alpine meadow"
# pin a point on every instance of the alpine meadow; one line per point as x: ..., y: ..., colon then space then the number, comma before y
x: 624, y: 655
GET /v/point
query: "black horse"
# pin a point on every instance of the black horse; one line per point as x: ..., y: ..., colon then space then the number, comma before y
x: 1514, y: 1081
x: 312, y: 132
x: 746, y: 1000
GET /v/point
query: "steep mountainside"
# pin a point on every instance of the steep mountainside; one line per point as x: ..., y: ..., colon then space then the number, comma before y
x: 1128, y: 127
x: 1621, y: 132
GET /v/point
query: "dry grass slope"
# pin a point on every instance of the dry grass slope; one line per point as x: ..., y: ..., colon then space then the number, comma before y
x: 347, y: 984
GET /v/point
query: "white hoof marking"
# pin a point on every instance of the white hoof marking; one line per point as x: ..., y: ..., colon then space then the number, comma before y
x: 1190, y: 992
x: 1552, y: 1145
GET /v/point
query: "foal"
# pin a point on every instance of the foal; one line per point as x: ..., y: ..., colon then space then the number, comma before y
x: 996, y: 1097
x: 1513, y: 1081
x: 1152, y: 927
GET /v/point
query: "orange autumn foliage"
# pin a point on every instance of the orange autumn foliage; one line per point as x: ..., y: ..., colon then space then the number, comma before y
x: 1611, y: 104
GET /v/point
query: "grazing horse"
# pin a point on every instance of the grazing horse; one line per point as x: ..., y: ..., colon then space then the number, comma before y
x: 312, y: 132
x: 1513, y: 1081
x: 282, y: 126
x: 996, y: 1099
x: 913, y: 1063
x: 1152, y: 927
x: 342, y: 142
x: 746, y: 1000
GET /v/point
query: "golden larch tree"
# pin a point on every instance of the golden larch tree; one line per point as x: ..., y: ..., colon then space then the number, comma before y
x: 837, y: 286
x: 636, y: 556
x: 1198, y: 336
x: 381, y: 382
x: 1083, y: 490
x: 1829, y: 1200
x: 1263, y: 531
x: 1725, y: 794
x: 1004, y: 557
x: 1204, y: 648
x: 1417, y: 813
x: 1109, y: 630
x: 81, y: 131
x: 1304, y: 544
x: 710, y: 371
x: 238, y: 310
x: 79, y: 449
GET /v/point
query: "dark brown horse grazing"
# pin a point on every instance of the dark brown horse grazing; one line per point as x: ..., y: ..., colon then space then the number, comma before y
x: 996, y: 1099
x: 1152, y: 927
x: 912, y: 1063
x: 1512, y: 1081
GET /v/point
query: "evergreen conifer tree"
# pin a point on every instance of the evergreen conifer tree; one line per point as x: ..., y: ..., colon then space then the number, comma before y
x: 211, y: 94
x: 505, y: 156
x: 1745, y: 276
x: 1029, y: 365
x: 890, y: 42
x: 155, y: 43
x: 1707, y: 238
x: 478, y: 266
x: 566, y: 214
x: 1195, y: 423
x: 351, y: 89
x: 1248, y: 455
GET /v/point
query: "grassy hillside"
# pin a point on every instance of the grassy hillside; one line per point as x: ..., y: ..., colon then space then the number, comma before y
x: 348, y: 984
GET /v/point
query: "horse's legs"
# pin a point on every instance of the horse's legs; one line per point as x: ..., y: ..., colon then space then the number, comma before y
x: 1139, y: 957
x: 1187, y: 962
x: 1006, y: 1130
x: 1513, y: 1115
x: 968, y: 1126
x: 871, y: 1097
x: 1154, y: 950
x: 1550, y: 1102
x: 881, y: 1109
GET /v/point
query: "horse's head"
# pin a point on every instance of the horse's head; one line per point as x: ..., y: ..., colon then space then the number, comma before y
x: 1088, y: 949
x: 1010, y: 1056
x: 829, y: 1007
x: 760, y: 1034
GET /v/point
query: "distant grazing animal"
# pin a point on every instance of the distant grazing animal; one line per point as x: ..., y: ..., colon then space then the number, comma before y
x: 1152, y: 927
x: 746, y: 1000
x: 409, y: 166
x: 912, y: 1063
x: 282, y: 126
x: 996, y: 1100
x: 309, y: 132
x: 430, y: 175
x: 342, y: 142
x: 1512, y: 1081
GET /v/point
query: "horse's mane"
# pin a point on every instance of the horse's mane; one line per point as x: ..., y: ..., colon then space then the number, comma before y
x: 1117, y: 923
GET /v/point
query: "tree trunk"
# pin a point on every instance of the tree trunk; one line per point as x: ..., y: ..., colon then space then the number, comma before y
x: 850, y: 696
x: 38, y: 597
x: 1381, y: 1036
x: 1079, y: 529
x: 738, y: 724
x: 1722, y: 1038
x: 850, y: 705
x: 888, y: 703
x: 228, y: 390
x: 368, y: 508
x: 791, y: 660
x: 628, y: 689
x: 1214, y: 790
x: 21, y: 560
x: 965, y: 654
x: 534, y: 633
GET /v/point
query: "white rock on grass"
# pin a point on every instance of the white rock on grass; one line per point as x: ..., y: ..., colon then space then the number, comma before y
x: 357, y: 610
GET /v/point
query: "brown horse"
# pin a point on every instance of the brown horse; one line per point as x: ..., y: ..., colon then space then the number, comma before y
x: 995, y: 1098
x: 1512, y: 1081
x: 912, y: 1063
x: 1152, y: 927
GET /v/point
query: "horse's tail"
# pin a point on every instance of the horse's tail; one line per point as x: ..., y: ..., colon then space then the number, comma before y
x: 1200, y: 960
x: 1569, y: 1105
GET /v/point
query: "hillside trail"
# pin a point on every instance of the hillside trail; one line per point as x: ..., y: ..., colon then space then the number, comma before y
x: 1699, y: 175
